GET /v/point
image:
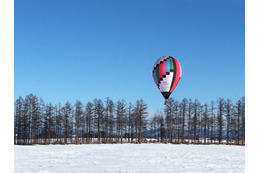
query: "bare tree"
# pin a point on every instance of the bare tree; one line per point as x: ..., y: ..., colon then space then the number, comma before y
x: 42, y: 108
x: 66, y: 111
x: 110, y: 108
x: 59, y: 123
x: 220, y: 119
x: 183, y: 107
x: 243, y: 119
x: 161, y: 125
x: 205, y: 123
x: 151, y: 130
x: 120, y: 118
x: 176, y: 120
x: 98, y: 114
x: 78, y: 119
x: 130, y: 122
x: 238, y: 112
x: 228, y: 107
x: 36, y: 118
x: 200, y: 122
x: 212, y: 121
x: 154, y: 126
x: 107, y: 114
x: 48, y: 123
x: 169, y: 112
x: 190, y: 109
x: 27, y: 123
x: 196, y: 106
x: 89, y: 119
x: 18, y: 124
x: 140, y: 117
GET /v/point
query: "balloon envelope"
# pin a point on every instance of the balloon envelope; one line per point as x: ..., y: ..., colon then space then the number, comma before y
x: 166, y: 74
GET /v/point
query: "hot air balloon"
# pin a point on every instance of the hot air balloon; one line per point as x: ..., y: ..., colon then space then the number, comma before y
x: 166, y: 74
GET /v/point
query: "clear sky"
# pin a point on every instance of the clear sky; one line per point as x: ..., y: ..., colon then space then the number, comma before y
x: 85, y: 49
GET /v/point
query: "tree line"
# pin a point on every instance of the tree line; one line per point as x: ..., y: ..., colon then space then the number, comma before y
x: 97, y: 121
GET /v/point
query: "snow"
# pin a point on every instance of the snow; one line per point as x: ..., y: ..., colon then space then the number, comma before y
x: 129, y: 158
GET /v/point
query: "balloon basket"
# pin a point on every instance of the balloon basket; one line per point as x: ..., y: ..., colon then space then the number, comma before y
x: 166, y: 102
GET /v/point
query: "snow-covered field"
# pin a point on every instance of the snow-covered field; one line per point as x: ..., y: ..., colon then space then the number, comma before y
x: 164, y: 158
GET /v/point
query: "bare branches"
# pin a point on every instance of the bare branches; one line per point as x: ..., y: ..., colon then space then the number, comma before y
x: 188, y: 121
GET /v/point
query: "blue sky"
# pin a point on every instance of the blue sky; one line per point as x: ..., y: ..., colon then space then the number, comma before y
x: 68, y: 50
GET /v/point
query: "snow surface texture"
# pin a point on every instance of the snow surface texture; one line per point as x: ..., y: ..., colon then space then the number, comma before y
x: 122, y: 158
